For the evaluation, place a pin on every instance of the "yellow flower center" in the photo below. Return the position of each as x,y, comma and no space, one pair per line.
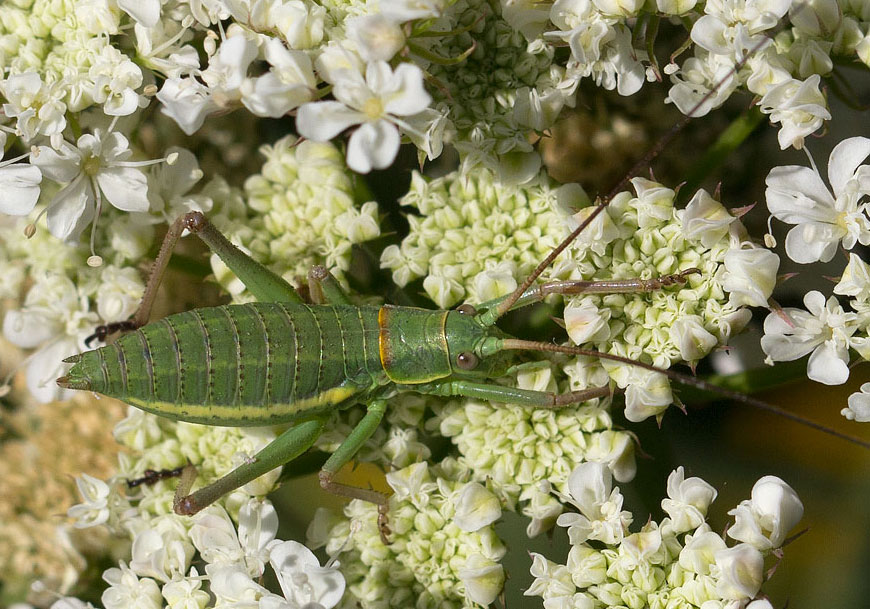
373,108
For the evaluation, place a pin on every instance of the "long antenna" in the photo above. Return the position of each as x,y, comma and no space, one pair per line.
685,379
506,305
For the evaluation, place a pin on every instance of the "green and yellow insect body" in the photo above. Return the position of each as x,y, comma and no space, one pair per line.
282,360
267,363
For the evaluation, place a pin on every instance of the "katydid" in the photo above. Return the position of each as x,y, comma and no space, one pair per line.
282,360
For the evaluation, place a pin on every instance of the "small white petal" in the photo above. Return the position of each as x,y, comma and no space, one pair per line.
829,364
476,507
373,146
19,185
61,165
126,188
71,209
322,121
411,96
145,12
845,159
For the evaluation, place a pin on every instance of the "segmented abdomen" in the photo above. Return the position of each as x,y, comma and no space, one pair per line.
244,364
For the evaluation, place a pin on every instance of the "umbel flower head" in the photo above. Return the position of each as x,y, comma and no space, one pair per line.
645,236
300,212
503,90
676,562
443,553
515,449
477,236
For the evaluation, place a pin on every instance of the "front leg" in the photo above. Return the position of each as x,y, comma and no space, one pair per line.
511,395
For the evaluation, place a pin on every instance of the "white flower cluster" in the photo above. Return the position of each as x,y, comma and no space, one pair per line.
646,237
824,220
476,235
234,538
514,449
300,212
65,300
443,549
744,43
677,562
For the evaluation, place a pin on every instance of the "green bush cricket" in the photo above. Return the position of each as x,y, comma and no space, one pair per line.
282,360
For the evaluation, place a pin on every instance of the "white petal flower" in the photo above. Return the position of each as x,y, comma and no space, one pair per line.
162,551
586,323
855,281
214,535
698,555
601,516
187,102
301,24
186,593
38,107
692,338
647,393
476,507
741,571
859,405
707,80
797,195
95,509
750,275
98,162
126,591
825,331
705,219
289,83
818,18
376,103
688,500
799,106
766,519
303,581
483,579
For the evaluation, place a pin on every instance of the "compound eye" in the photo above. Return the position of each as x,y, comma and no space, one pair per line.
467,360
467,309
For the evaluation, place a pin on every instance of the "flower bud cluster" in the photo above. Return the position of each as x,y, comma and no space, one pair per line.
300,212
646,237
505,88
515,449
57,57
476,235
443,549
676,562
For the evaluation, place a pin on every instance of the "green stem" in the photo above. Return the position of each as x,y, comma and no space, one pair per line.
443,61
